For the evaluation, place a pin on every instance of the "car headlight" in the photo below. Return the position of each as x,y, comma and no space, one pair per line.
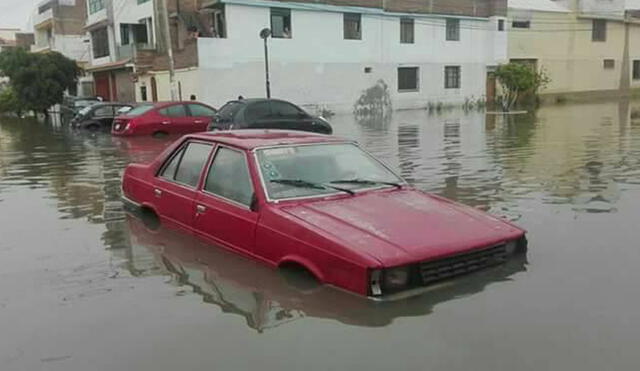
396,278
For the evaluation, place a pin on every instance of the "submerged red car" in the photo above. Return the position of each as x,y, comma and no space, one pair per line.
164,118
319,203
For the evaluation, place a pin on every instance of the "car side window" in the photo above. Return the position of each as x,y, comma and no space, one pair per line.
229,177
177,110
258,111
186,165
282,109
200,110
169,171
103,111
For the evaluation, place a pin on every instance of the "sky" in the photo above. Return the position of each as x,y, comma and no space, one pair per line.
16,13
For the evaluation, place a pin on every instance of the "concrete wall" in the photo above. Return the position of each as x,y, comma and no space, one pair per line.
187,79
572,60
317,66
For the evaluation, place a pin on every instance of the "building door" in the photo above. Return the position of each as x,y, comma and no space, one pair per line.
154,89
101,81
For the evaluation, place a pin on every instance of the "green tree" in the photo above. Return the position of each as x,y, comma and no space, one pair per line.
38,80
517,79
9,102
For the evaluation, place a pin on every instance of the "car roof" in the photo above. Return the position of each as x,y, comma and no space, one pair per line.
171,103
257,100
254,138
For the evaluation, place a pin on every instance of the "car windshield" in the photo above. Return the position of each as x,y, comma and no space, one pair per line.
140,110
84,111
310,170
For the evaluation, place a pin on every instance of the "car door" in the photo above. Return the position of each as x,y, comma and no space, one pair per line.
201,115
289,117
176,120
223,206
103,115
175,186
258,115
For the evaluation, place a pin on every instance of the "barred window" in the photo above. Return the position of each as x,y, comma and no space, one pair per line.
453,29
100,42
452,77
352,26
406,30
408,79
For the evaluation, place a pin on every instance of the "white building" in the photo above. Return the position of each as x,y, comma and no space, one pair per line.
332,56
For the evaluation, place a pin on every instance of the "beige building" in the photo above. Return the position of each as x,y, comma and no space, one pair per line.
585,46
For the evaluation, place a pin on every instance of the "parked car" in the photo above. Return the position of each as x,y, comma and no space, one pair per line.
262,113
99,116
164,118
74,104
320,203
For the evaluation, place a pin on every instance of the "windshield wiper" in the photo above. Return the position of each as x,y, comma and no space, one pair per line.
366,182
306,184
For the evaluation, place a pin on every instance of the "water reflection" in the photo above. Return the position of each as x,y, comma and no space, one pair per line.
266,298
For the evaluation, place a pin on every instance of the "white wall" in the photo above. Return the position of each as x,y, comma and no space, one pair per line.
317,66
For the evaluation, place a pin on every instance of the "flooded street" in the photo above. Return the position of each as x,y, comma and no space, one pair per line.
85,286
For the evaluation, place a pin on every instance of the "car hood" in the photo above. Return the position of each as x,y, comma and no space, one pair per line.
401,226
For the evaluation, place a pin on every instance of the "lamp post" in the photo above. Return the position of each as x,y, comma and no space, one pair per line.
264,34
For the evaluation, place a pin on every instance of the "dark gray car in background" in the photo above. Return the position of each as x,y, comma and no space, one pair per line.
261,113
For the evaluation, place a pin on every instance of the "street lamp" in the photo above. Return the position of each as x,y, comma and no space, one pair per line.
264,34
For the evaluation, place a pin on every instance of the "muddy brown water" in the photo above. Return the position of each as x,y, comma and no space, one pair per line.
84,286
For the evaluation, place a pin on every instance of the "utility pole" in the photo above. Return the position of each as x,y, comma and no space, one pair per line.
163,15
264,34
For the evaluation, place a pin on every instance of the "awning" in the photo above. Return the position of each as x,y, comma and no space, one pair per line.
109,66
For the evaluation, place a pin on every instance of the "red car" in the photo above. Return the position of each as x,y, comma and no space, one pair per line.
319,203
164,118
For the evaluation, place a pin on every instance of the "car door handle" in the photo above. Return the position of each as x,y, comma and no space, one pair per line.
200,209
198,121
165,122
157,192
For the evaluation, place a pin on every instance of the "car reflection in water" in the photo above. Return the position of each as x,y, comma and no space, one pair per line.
267,298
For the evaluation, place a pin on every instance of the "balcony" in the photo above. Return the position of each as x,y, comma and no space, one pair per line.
43,19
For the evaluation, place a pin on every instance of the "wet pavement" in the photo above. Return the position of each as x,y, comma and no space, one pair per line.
84,286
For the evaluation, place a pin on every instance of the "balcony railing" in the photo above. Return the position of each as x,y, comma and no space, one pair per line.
43,17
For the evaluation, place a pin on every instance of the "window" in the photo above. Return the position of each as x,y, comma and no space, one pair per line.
406,31
218,24
336,164
143,93
452,77
229,177
100,42
103,111
599,30
177,110
229,110
521,24
453,29
407,78
258,111
200,110
140,32
95,6
636,70
609,64
281,23
352,26
124,34
185,167
283,109
500,24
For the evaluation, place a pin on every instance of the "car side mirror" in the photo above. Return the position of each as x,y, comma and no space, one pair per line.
254,203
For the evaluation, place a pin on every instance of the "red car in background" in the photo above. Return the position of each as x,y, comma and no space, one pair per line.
318,203
164,118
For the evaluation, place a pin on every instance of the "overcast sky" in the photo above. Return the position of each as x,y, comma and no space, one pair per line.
16,13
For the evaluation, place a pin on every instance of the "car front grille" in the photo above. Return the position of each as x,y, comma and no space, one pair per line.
436,270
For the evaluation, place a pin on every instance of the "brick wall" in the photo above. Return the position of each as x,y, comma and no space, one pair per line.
70,20
25,39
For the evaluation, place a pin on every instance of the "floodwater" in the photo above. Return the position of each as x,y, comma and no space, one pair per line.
84,286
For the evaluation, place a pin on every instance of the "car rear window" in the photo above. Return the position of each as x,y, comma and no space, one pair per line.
229,110
140,110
